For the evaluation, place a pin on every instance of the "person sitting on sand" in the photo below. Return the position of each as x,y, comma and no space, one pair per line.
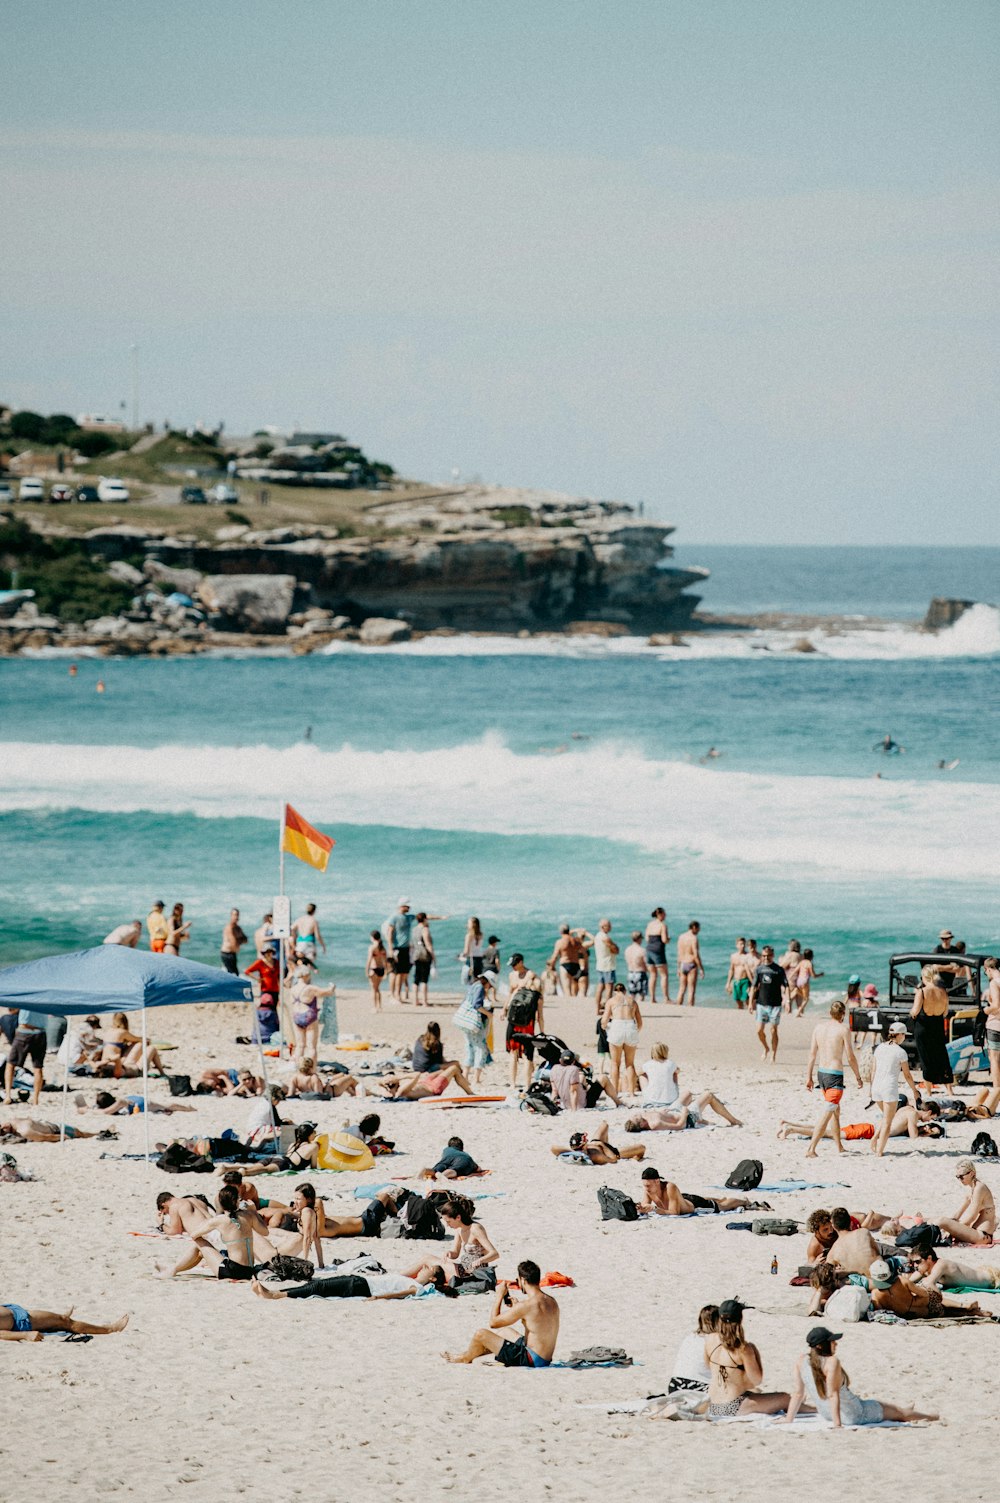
27,1130
976,1218
736,1369
691,1372
180,1214
684,1114
361,1286
597,1148
124,1048
249,1194
822,1235
299,1231
19,1324
454,1163
662,1198
932,1272
855,1249
898,1293
529,1307
415,1085
241,1232
820,1379
471,1248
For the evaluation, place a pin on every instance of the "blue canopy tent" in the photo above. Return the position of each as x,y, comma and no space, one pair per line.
116,978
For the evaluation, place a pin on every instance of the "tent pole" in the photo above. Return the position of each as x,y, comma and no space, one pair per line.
145,1080
65,1093
255,1021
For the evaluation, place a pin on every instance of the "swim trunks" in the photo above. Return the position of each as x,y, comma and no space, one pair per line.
571,967
687,967
701,1203
158,946
372,1218
768,1014
741,989
438,1082
28,1045
607,978
229,962
855,1130
638,983
22,1320
831,1083
401,961
230,1270
519,1354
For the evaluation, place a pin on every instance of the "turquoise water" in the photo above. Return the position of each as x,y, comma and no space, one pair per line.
527,783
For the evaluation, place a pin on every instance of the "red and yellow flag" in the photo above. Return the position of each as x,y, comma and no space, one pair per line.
299,839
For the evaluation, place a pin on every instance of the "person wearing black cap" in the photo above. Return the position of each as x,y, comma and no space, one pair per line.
661,1197
736,1369
820,1379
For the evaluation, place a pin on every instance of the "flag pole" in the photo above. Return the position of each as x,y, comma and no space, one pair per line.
281,942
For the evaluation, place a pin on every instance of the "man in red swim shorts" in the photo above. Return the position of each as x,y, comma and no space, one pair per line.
831,1044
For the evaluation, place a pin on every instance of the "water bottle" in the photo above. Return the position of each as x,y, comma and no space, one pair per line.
774,1264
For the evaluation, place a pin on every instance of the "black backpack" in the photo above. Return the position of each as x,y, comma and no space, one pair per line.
537,1099
983,1146
419,1220
746,1176
180,1085
522,1008
616,1205
176,1159
925,1236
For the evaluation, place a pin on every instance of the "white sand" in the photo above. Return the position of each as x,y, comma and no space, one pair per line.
227,1394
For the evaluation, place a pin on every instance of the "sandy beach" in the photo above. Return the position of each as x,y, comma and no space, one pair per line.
224,1393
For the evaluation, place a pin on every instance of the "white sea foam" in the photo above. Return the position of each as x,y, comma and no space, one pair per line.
820,824
976,634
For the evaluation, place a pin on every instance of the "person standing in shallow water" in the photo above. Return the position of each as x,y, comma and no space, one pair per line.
233,940
657,939
689,966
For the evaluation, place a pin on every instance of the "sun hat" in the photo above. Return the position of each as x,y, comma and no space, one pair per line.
819,1336
870,990
881,1275
490,977
946,934
404,903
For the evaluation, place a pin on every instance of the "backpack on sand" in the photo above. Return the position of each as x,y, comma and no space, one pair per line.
616,1205
983,1146
537,1099
746,1176
180,1085
774,1226
926,1234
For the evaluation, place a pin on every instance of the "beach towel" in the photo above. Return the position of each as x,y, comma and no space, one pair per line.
789,1186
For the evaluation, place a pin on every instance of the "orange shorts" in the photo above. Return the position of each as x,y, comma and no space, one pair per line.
858,1130
157,946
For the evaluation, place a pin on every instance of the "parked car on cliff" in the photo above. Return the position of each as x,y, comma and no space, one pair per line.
192,495
110,489
87,493
60,492
6,493
31,489
223,495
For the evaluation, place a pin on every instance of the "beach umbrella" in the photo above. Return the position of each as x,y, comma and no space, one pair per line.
115,977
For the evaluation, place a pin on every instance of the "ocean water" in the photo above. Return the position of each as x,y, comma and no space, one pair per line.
531,782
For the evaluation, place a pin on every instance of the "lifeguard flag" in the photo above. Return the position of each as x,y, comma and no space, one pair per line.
299,839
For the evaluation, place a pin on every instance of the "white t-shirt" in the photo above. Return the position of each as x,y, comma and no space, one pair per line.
259,1116
603,954
661,1082
690,1360
390,1283
887,1064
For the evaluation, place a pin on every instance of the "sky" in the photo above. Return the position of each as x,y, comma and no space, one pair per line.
735,259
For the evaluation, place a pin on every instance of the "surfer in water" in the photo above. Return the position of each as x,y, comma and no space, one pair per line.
888,747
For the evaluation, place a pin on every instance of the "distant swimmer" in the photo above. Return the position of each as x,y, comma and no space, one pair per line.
944,766
888,747
580,736
710,755
100,686
72,670
308,733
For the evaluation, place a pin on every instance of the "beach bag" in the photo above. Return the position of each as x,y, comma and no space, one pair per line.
746,1176
284,1267
180,1085
176,1159
479,1281
616,1205
983,1146
926,1235
468,1018
522,1008
419,1220
537,1099
847,1306
774,1226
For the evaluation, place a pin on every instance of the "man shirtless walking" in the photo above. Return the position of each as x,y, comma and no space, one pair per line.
831,1042
741,969
566,956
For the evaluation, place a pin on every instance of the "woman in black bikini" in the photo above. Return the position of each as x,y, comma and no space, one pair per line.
736,1369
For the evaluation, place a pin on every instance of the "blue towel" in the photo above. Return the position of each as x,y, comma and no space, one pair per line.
788,1186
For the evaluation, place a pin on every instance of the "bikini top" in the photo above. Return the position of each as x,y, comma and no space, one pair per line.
725,1368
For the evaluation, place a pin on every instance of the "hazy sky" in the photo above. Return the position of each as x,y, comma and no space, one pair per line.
736,258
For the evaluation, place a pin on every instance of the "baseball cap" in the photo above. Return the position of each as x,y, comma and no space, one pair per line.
732,1309
516,959
567,1057
880,1275
819,1336
854,980
870,990
897,1027
651,1174
404,903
